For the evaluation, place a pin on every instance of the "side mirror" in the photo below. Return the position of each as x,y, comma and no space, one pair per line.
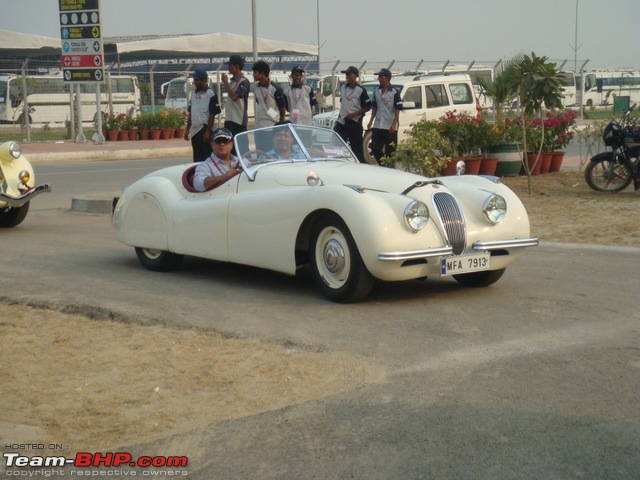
408,105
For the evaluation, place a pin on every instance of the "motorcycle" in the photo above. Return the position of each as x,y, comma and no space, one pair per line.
614,170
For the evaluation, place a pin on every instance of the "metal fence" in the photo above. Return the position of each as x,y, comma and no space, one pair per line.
52,113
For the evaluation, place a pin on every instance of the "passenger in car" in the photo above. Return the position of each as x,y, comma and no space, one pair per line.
220,166
284,146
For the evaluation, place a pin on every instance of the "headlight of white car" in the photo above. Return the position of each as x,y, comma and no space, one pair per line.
416,215
15,150
494,208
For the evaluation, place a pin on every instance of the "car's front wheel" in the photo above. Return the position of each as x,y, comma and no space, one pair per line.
336,265
12,216
480,279
158,260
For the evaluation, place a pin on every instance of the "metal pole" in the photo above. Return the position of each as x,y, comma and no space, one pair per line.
575,51
318,29
80,138
99,138
254,28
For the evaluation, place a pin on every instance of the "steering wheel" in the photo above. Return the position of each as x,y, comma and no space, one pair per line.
256,157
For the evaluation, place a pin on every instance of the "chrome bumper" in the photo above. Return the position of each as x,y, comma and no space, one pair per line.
448,250
22,199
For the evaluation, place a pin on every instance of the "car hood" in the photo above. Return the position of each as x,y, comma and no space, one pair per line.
341,173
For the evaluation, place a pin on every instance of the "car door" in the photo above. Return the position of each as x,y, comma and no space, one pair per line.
201,222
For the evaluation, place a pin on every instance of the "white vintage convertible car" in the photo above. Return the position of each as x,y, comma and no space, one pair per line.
352,223
17,185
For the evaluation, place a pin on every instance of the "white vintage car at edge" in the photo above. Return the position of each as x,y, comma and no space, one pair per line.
17,185
351,223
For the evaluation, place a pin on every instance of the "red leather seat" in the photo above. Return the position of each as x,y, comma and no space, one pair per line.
187,179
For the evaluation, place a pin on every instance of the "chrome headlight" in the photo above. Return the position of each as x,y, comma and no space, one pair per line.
416,215
494,208
15,150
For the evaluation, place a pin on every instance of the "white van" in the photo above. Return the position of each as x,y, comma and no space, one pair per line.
429,96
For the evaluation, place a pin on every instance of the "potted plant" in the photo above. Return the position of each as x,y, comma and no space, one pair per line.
538,83
464,134
423,152
143,121
112,125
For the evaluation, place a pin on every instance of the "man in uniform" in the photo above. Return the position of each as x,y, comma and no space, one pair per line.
203,108
354,103
385,112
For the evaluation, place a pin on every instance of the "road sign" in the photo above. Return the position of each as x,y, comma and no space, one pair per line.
82,57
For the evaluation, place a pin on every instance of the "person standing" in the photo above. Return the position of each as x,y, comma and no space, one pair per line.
354,103
236,117
270,103
220,166
203,108
300,99
385,114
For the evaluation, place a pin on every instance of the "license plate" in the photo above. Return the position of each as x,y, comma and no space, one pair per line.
465,264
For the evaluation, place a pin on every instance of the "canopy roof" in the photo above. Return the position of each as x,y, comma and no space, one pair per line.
21,45
210,45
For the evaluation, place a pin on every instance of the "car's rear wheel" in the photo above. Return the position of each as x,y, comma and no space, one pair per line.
158,260
336,265
12,216
480,279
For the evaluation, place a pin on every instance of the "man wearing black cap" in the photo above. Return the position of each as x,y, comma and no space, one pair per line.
220,166
236,116
300,99
385,112
203,108
354,103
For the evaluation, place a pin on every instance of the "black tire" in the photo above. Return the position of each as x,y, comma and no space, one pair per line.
480,279
158,260
336,265
604,175
12,216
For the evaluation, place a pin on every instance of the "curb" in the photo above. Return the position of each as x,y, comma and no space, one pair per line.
99,203
105,155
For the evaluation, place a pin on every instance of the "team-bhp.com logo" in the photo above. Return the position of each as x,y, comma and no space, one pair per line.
85,459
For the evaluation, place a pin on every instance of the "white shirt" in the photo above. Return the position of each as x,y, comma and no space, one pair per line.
211,167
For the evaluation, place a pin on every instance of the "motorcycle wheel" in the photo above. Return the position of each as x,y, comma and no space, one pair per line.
603,174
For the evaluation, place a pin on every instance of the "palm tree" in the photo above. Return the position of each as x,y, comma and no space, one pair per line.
537,83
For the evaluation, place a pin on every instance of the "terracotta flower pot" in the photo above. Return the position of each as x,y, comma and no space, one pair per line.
472,165
179,133
545,163
556,162
155,133
133,134
144,134
488,165
112,135
533,161
450,168
123,135
167,133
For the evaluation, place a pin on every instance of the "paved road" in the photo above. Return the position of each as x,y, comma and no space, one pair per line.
535,377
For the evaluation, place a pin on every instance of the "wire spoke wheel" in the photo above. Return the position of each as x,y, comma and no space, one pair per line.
607,175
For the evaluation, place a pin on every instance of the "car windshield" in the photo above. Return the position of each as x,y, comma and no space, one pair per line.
289,143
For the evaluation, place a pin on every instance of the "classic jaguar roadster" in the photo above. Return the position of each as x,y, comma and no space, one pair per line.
352,223
17,186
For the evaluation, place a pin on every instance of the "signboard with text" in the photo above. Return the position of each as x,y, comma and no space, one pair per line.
82,57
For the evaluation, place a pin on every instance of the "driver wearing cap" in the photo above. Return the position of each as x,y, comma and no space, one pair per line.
221,164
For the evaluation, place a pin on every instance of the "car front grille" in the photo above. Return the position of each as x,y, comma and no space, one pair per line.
452,220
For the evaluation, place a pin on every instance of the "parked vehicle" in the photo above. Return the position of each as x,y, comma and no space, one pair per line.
428,96
50,98
352,223
613,171
17,185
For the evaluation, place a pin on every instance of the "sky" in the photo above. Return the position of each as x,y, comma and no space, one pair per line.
381,31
